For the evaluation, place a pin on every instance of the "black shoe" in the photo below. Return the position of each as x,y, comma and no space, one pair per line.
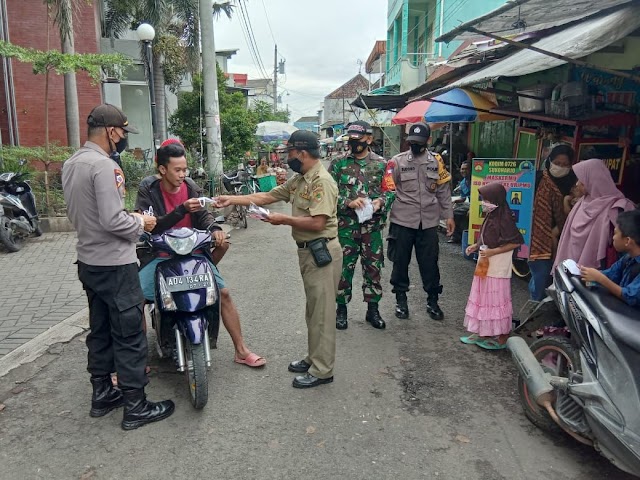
434,310
308,381
374,318
402,308
138,411
341,317
299,366
105,397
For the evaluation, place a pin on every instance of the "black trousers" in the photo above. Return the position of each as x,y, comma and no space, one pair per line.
425,241
116,342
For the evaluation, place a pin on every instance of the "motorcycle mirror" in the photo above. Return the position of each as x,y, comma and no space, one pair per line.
219,219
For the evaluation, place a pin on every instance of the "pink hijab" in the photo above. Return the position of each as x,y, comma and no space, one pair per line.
587,232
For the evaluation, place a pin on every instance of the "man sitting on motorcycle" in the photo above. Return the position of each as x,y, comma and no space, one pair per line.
622,279
173,199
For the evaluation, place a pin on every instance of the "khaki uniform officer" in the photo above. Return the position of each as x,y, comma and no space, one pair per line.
314,195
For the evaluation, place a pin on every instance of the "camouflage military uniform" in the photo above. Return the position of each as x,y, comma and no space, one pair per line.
360,178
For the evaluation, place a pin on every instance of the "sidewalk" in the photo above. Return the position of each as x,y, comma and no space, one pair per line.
40,288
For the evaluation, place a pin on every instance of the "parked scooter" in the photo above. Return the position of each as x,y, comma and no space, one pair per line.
18,214
587,385
186,312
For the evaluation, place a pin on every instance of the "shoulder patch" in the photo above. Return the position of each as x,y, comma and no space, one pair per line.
119,177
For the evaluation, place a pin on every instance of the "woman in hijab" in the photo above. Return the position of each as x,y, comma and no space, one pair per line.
489,311
550,210
587,235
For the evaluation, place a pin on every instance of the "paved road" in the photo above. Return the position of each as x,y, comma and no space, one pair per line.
40,288
410,402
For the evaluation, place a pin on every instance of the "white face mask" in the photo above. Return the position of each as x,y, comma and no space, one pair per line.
558,171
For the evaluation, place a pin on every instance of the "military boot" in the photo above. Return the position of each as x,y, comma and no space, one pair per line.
373,316
341,317
138,411
105,397
433,309
402,307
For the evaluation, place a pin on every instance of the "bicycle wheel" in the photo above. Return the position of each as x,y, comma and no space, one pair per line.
242,216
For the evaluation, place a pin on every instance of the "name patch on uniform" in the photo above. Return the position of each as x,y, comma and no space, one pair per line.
432,169
119,177
407,169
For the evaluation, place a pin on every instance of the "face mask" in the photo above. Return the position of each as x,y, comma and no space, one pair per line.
357,146
488,207
417,149
295,164
558,171
120,146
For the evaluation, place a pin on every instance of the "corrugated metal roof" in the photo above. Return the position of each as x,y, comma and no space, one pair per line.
574,42
519,16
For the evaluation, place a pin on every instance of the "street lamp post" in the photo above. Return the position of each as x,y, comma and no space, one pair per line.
146,34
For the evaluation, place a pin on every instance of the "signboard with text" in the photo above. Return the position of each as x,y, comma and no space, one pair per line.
518,177
611,153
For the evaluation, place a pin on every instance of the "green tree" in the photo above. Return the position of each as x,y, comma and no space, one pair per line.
263,112
176,47
237,124
45,62
62,13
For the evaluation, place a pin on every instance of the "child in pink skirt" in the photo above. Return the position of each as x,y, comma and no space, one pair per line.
489,311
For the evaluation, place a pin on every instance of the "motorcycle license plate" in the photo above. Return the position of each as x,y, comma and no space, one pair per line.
187,282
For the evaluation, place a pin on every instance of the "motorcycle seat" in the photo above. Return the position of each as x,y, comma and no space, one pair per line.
622,320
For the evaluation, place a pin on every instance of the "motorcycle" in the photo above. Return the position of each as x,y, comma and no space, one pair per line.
18,214
586,384
186,311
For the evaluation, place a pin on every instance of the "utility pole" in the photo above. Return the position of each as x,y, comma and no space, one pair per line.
275,80
210,89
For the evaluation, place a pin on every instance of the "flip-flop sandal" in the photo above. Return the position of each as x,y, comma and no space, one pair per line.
252,360
471,339
491,344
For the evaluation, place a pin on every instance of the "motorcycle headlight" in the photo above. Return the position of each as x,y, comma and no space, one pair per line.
182,246
212,295
165,296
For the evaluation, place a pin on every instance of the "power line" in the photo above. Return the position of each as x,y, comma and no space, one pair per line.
245,13
268,22
250,40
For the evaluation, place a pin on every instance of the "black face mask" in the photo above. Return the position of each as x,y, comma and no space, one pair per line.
295,164
119,146
417,149
357,146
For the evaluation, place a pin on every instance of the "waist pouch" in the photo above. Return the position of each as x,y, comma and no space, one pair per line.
319,251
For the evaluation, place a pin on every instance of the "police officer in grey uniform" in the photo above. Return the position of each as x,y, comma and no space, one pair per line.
94,187
423,197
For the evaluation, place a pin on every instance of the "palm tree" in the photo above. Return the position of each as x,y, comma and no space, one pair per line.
63,12
176,45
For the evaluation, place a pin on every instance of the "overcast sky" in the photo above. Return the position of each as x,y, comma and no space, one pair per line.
321,42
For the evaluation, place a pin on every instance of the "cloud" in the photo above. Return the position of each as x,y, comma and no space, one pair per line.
321,43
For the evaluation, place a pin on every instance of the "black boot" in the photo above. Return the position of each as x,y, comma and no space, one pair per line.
138,411
433,309
341,317
402,307
105,397
373,316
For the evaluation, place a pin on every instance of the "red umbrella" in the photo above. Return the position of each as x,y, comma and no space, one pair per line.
412,113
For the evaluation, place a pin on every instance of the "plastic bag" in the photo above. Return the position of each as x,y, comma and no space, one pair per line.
257,212
366,212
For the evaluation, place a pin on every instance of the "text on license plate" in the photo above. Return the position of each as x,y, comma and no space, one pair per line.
188,282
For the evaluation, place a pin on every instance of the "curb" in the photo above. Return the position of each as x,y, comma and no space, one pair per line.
63,332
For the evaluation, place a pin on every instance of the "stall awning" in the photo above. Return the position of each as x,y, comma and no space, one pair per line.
380,102
517,16
575,42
